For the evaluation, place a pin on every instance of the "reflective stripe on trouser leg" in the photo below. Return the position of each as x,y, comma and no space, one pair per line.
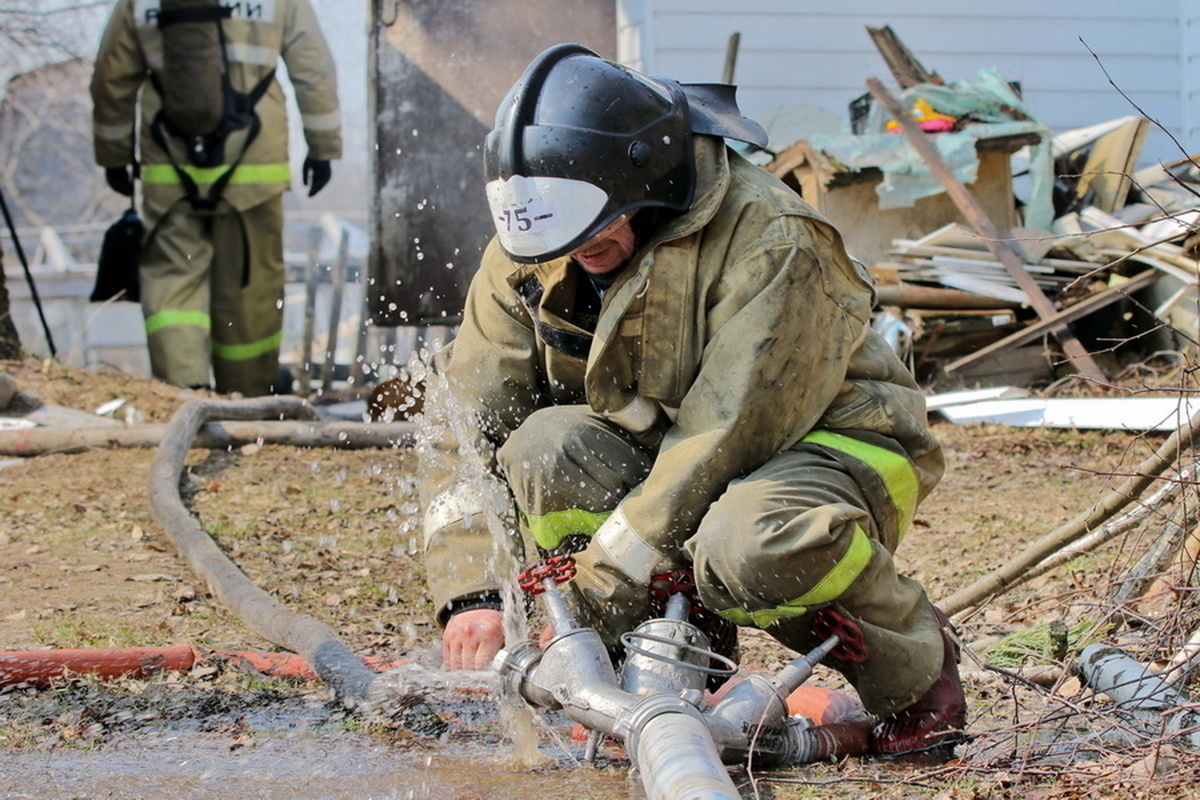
174,278
247,321
795,536
887,475
568,468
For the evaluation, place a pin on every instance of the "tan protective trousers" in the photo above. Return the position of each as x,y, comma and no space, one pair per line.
784,532
200,318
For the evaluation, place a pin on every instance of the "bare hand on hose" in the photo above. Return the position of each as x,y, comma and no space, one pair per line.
472,638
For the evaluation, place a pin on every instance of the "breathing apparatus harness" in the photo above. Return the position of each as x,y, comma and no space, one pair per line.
203,126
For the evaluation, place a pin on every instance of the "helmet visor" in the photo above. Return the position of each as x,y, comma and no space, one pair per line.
540,218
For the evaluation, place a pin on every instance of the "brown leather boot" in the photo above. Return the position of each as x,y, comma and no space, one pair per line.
931,727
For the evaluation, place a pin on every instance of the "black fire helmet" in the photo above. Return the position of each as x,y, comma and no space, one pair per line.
578,141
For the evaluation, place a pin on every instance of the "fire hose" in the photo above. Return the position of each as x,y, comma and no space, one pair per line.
351,681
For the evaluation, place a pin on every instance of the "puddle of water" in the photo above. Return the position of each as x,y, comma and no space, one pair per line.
185,742
298,765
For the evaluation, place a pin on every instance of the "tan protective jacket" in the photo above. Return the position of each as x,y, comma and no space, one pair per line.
742,323
257,35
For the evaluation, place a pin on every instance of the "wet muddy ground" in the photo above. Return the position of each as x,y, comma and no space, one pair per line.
332,534
248,738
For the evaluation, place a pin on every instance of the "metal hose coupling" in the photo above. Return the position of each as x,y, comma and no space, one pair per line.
670,654
513,668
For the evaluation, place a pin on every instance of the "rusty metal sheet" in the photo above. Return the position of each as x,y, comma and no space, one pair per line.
438,69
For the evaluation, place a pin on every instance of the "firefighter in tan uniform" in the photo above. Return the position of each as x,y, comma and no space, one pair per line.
666,365
212,272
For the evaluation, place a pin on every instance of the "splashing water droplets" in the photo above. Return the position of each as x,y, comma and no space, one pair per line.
458,424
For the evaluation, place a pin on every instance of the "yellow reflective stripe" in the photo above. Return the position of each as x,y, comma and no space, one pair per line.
830,588
245,174
176,316
550,529
838,580
245,352
896,471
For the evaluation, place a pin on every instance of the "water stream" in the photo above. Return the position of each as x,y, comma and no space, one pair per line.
519,720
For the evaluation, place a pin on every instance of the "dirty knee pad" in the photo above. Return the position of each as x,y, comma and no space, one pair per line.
568,457
774,535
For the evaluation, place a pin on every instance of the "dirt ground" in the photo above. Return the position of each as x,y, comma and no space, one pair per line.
334,534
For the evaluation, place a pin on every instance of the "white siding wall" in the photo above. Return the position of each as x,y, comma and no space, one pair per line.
1189,72
818,52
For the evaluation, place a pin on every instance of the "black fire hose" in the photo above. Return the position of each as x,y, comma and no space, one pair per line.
37,302
333,662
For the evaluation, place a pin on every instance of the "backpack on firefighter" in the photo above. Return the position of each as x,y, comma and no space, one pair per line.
200,106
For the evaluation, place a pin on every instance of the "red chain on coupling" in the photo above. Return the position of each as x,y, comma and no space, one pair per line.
853,645
559,569
664,586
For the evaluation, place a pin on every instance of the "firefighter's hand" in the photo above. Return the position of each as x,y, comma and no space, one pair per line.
472,638
120,180
316,173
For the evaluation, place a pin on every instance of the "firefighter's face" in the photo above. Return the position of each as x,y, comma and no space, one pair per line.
608,249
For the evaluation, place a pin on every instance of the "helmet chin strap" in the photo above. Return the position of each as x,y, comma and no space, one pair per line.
714,111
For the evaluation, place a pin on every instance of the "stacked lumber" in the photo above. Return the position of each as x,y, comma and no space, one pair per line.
957,258
1091,260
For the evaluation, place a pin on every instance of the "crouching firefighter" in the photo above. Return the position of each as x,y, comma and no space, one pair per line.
666,368
212,152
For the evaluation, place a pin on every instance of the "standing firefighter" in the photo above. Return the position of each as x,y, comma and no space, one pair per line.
666,367
213,149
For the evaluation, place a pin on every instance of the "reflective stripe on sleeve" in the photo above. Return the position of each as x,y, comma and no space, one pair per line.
251,350
177,316
629,552
322,122
549,530
827,590
462,501
252,54
459,502
895,470
245,174
115,133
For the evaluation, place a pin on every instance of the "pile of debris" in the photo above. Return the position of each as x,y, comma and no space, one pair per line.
1093,270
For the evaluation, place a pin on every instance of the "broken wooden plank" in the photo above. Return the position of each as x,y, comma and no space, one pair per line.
905,67
1109,166
1110,232
1084,413
935,402
1005,250
985,288
908,295
1070,314
1167,267
911,247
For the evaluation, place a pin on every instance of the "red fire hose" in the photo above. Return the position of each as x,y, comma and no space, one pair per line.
40,668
